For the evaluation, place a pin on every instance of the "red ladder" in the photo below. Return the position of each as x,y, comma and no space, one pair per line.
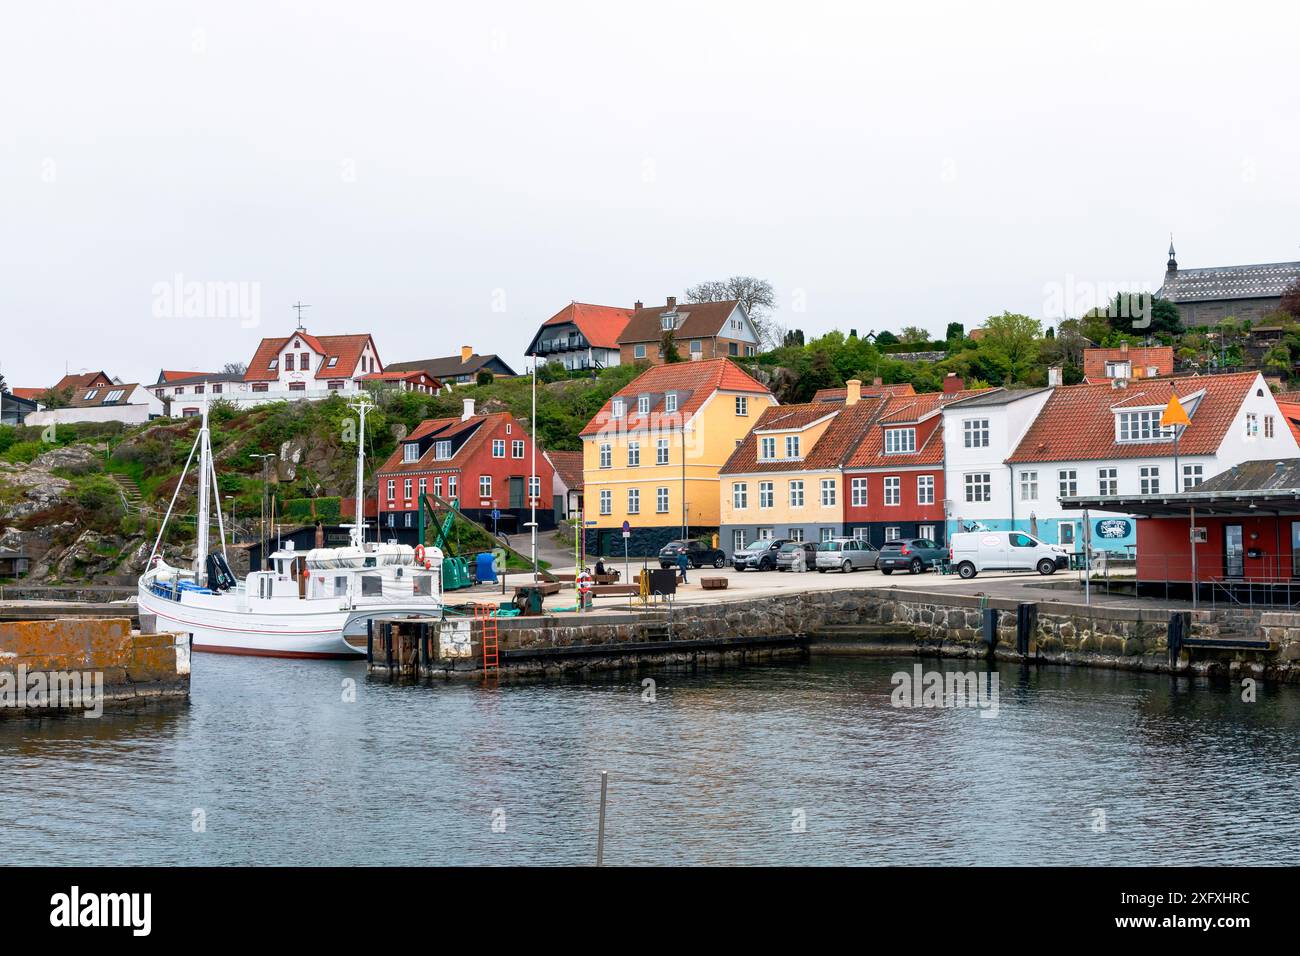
488,634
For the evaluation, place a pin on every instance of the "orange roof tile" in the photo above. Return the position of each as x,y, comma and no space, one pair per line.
697,380
600,325
835,444
906,410
1161,357
868,391
568,465
346,348
1077,423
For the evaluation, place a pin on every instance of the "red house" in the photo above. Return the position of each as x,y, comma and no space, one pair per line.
482,461
894,479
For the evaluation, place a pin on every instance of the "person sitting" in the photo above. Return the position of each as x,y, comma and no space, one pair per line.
600,568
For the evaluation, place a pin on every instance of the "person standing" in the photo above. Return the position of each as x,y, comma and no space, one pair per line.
683,562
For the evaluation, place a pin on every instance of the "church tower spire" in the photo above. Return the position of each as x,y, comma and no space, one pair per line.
1172,264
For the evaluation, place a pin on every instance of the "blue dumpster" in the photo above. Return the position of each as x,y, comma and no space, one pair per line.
486,569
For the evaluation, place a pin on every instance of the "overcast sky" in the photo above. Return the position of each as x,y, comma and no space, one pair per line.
442,174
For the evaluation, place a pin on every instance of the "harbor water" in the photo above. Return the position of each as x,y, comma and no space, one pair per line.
312,763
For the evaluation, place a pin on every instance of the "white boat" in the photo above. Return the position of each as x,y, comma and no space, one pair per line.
306,603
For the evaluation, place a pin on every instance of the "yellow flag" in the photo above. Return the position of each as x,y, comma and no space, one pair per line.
1174,413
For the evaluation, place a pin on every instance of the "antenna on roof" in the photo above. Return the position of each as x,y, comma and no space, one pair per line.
299,306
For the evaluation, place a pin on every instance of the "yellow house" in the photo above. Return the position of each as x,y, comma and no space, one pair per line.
786,479
652,454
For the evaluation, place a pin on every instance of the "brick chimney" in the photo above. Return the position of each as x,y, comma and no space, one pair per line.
466,353
877,381
1123,349
639,305
953,382
672,302
853,392
469,410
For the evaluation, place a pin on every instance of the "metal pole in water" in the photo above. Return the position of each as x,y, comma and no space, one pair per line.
600,836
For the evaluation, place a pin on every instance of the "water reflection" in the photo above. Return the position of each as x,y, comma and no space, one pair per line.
717,770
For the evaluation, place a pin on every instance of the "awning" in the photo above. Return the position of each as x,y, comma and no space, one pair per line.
1271,501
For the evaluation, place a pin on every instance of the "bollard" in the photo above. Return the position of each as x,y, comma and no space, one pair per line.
370,641
990,636
1179,625
600,836
1026,626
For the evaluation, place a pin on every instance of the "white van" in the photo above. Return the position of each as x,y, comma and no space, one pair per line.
974,551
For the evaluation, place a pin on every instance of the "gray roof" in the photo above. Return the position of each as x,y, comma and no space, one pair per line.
1002,396
451,366
1260,281
202,379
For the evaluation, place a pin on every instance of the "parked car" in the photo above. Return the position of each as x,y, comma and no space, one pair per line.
785,557
758,555
913,555
697,553
974,551
846,554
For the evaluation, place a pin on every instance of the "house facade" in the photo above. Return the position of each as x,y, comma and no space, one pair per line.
701,331
786,479
1106,440
184,396
484,462
1207,296
894,479
566,489
653,454
581,336
306,366
979,433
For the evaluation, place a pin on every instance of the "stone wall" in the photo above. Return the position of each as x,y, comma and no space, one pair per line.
134,666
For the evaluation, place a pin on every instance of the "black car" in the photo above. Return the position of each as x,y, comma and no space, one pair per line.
697,553
759,555
913,555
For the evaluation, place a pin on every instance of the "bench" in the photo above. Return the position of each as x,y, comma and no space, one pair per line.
713,584
613,590
546,587
611,577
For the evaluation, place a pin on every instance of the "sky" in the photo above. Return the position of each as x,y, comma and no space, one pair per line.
444,174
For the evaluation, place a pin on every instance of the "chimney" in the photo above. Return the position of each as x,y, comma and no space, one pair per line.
672,303
469,410
853,392
952,382
466,353
1054,376
639,305
1123,349
877,381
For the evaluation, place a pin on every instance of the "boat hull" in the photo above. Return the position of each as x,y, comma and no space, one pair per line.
217,626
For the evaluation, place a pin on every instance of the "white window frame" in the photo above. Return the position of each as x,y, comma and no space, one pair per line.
1190,472
411,451
485,486
1149,479
925,489
796,495
766,494
634,454
893,491
767,448
740,495
858,493
978,487
829,494
661,451
606,502
661,500
792,446
1107,478
606,455
742,406
975,432
498,448
900,441
1067,482
634,501
670,402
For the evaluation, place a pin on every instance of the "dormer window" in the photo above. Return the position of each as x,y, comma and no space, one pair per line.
618,409
643,405
670,402
1141,426
900,441
766,448
411,451
792,446
668,322
1119,370
442,450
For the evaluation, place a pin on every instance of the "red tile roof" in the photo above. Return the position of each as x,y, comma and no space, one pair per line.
835,444
1291,412
31,394
1077,422
1140,359
444,428
906,410
346,348
600,325
82,380
167,375
1291,398
868,391
697,380
568,465
700,320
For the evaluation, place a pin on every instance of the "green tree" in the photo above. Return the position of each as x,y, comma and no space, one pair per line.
1011,342
755,296
668,348
913,335
955,331
886,338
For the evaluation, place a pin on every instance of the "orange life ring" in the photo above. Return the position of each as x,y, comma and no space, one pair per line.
419,554
584,582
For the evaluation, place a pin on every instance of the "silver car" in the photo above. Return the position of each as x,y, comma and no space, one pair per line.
846,554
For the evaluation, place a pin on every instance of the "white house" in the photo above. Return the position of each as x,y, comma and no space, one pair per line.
133,404
978,434
1106,439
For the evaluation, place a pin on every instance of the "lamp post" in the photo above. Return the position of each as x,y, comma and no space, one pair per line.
261,525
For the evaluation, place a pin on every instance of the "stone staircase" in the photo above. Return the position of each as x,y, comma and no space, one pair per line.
1231,628
130,491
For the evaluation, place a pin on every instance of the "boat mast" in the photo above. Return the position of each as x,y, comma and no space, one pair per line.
205,472
358,536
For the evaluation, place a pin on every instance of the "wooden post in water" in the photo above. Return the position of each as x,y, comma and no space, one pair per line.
600,835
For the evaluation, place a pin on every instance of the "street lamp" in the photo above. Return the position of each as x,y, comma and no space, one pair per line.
261,527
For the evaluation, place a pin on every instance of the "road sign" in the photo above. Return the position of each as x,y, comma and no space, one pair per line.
496,514
627,530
